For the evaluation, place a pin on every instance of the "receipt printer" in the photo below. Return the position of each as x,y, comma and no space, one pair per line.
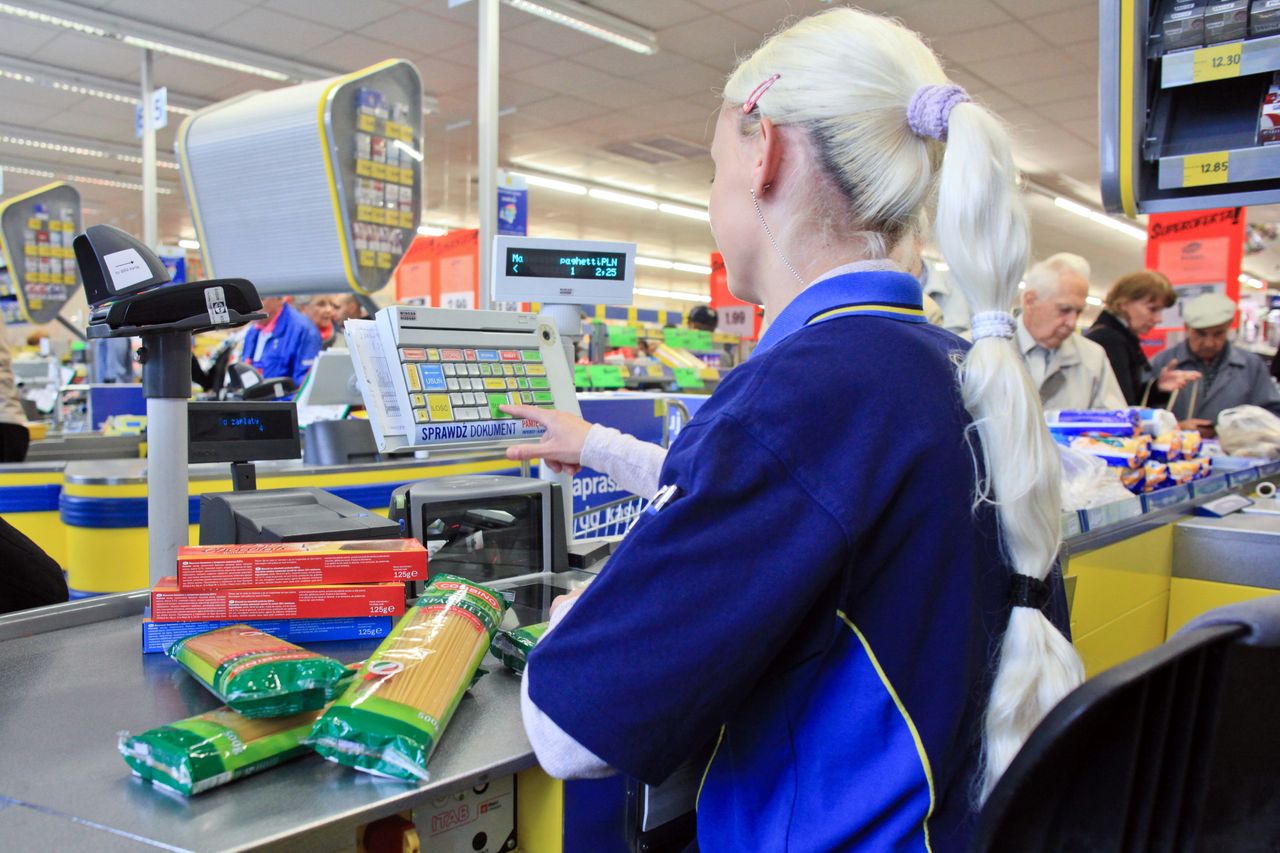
485,528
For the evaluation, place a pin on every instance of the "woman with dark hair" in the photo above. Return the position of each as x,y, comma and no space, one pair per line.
1133,307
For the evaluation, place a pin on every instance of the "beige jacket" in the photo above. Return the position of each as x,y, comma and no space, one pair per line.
10,406
1078,376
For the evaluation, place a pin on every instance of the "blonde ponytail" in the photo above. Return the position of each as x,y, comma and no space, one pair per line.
848,78
982,232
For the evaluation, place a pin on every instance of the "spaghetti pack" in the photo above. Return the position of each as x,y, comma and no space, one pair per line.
212,749
257,674
513,647
391,717
211,567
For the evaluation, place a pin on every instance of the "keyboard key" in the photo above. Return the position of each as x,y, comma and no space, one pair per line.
420,415
439,406
519,369
458,399
510,355
536,369
526,397
473,370
522,384
494,384
432,377
470,354
487,354
453,384
476,384
418,401
412,354
433,355
469,399
508,370
496,400
449,369
543,397
411,377
539,382
531,354
511,384
451,355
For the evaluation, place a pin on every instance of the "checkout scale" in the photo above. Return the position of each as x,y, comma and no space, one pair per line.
508,532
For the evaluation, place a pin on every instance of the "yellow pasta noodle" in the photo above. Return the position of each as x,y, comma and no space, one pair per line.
390,719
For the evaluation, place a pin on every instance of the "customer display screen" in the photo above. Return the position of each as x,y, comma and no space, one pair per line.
241,426
242,432
556,263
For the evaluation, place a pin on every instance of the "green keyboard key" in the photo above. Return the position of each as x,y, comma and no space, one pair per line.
543,397
530,355
496,400
539,382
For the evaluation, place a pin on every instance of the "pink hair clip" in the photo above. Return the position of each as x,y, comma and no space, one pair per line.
759,91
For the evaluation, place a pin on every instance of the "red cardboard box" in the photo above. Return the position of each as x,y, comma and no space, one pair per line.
170,604
202,567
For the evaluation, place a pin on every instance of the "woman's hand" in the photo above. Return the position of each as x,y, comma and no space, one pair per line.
1171,379
561,445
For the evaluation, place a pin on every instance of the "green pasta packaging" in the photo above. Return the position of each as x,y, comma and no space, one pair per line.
391,717
212,749
257,674
513,647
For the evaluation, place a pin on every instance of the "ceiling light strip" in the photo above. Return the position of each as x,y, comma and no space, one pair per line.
593,22
680,295
1100,218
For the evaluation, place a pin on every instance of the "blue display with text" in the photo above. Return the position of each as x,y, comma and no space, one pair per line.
554,263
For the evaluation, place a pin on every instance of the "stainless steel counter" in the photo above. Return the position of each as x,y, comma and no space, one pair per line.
1239,549
67,689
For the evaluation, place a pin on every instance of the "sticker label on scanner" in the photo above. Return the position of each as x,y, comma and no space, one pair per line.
126,268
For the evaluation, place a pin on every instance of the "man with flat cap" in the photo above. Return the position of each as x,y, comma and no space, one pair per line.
1230,376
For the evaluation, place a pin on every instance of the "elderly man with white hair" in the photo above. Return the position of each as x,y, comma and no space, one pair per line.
1070,371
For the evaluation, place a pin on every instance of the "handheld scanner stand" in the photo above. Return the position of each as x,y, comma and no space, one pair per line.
130,293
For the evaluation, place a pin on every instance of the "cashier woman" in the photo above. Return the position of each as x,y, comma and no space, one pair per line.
835,585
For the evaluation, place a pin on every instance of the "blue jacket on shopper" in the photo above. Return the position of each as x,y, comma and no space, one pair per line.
291,349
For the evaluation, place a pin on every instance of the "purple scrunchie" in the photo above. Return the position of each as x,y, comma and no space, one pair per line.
930,109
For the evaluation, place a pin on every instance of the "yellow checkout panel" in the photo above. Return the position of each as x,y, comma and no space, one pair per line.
101,512
1140,573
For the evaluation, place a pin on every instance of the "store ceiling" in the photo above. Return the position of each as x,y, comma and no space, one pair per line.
578,103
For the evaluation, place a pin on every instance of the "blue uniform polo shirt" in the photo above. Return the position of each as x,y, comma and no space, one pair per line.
820,598
291,349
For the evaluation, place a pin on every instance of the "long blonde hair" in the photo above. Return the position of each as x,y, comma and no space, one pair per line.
847,77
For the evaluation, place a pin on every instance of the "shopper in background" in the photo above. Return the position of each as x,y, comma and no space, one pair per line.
847,677
1133,307
323,310
285,344
28,576
14,438
1230,376
1069,371
349,308
703,318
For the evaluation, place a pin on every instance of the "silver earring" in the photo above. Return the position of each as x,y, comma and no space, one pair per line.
769,233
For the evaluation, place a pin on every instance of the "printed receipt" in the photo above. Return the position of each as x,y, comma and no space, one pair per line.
377,383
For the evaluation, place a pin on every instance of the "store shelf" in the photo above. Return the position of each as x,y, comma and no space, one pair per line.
1220,62
1234,166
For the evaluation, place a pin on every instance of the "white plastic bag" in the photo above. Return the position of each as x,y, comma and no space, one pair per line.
1088,481
1249,431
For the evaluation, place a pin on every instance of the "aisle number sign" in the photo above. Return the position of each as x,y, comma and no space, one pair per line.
1220,62
1202,170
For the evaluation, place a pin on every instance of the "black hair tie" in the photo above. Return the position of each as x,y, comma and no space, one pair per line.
1026,591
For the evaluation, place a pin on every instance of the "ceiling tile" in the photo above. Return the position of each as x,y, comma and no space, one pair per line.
97,56
182,76
1052,90
1076,108
988,43
651,14
625,63
549,37
418,32
19,38
940,17
189,16
685,78
340,14
1030,8
1025,68
350,51
715,40
275,33
769,16
1066,27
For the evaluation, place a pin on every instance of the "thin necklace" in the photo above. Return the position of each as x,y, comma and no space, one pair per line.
769,233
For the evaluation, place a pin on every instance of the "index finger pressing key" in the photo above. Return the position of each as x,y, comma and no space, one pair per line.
533,413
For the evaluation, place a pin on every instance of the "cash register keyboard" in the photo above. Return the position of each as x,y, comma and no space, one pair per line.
452,384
